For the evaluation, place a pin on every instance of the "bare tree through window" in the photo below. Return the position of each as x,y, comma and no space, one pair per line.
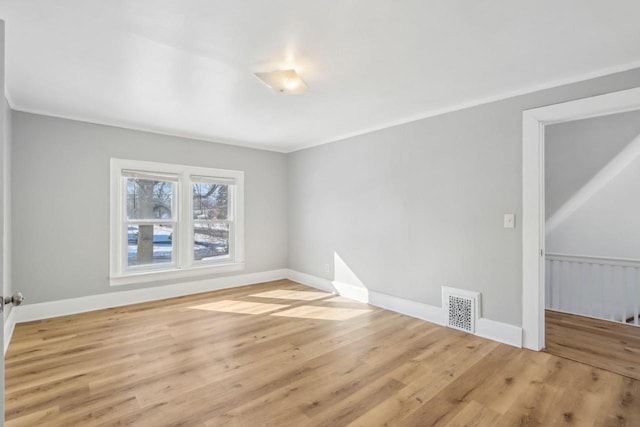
149,200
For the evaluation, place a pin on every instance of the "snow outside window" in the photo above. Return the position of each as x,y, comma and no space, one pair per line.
171,221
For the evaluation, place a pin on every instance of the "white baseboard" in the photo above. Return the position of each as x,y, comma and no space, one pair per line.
408,307
358,293
486,328
9,326
498,331
309,280
419,310
65,307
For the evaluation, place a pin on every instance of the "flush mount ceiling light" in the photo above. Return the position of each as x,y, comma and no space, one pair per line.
287,82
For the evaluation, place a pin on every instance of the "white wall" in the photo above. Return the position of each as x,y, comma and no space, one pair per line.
414,207
60,198
575,151
4,144
5,181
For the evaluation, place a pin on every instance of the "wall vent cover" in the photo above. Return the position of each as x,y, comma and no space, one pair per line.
461,308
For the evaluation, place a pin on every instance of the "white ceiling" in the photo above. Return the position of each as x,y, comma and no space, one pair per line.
185,67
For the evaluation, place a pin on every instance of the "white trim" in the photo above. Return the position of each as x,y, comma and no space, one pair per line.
45,310
499,331
590,259
183,264
408,307
10,319
309,280
357,293
533,224
532,238
153,276
9,326
486,328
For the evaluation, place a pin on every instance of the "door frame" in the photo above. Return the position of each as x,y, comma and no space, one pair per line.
533,210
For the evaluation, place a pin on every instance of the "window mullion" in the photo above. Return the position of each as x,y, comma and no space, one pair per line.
186,209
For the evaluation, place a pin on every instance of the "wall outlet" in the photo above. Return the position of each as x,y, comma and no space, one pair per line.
327,269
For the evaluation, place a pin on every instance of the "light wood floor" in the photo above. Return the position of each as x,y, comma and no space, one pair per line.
281,354
601,343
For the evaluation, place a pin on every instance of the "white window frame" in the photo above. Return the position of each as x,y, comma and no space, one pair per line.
184,264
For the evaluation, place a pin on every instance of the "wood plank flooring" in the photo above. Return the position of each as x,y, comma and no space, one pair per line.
281,354
608,345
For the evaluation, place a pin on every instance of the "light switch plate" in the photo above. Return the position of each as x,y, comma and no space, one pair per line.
509,220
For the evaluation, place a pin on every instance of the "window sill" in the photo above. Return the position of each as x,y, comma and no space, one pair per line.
156,275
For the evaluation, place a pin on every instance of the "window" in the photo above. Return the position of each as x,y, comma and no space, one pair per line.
171,221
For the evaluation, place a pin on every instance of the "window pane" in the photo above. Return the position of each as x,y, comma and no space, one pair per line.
210,241
210,201
149,199
149,244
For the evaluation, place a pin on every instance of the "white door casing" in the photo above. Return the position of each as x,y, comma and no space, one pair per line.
533,218
2,206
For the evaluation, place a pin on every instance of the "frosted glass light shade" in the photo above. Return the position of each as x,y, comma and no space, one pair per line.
287,82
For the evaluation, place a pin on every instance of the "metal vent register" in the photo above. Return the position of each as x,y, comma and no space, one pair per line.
461,308
461,313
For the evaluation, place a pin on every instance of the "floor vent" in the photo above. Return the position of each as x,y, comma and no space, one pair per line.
462,308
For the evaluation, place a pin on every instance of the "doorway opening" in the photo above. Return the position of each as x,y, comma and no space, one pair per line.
533,239
592,259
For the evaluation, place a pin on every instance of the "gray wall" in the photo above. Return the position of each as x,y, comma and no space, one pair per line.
61,200
417,206
575,151
408,209
607,224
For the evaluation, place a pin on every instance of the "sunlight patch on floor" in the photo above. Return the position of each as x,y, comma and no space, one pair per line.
293,295
322,313
242,307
